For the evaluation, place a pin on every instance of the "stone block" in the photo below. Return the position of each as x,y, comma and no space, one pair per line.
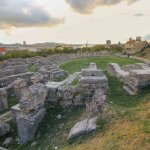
37,78
87,72
5,73
93,80
113,68
19,69
83,127
3,99
4,129
19,86
27,125
33,98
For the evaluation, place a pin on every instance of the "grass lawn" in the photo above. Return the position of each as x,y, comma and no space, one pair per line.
101,62
128,129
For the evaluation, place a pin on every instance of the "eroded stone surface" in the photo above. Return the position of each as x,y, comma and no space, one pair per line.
37,78
19,85
83,127
4,129
33,98
3,99
27,125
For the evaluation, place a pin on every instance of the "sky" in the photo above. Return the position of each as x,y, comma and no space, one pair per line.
73,21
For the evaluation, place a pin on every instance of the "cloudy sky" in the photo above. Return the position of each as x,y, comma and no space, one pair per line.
73,21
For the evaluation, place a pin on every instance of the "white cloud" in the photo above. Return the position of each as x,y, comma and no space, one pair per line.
25,13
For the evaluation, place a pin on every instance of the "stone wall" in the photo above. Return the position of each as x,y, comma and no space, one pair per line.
93,85
30,112
134,77
12,69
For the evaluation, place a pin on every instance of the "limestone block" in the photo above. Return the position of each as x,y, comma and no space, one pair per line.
87,72
59,74
115,70
15,110
37,78
52,91
3,99
138,66
98,102
93,66
4,64
4,129
66,93
27,125
83,127
33,98
19,69
121,75
45,73
5,73
9,79
93,80
19,85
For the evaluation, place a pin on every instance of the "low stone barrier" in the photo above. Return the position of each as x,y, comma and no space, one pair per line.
9,79
134,77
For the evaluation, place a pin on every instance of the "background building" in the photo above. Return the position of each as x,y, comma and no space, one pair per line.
135,46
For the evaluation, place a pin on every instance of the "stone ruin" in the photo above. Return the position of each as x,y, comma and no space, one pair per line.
32,89
30,111
135,76
14,68
93,85
91,92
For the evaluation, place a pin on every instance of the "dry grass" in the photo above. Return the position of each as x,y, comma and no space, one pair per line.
132,132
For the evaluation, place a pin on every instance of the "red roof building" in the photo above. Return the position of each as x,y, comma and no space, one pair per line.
2,50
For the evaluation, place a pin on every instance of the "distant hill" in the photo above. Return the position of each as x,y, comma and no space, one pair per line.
46,45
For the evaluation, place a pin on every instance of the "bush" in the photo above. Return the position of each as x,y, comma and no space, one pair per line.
99,48
58,50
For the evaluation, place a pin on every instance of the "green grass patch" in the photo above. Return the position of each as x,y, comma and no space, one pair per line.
75,81
101,62
119,97
32,68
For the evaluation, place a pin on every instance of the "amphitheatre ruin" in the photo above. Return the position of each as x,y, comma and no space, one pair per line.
63,98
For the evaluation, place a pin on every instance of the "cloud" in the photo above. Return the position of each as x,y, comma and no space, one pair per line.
147,37
25,13
138,15
87,6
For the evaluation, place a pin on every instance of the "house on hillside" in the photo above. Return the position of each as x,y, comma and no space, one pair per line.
2,51
135,46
